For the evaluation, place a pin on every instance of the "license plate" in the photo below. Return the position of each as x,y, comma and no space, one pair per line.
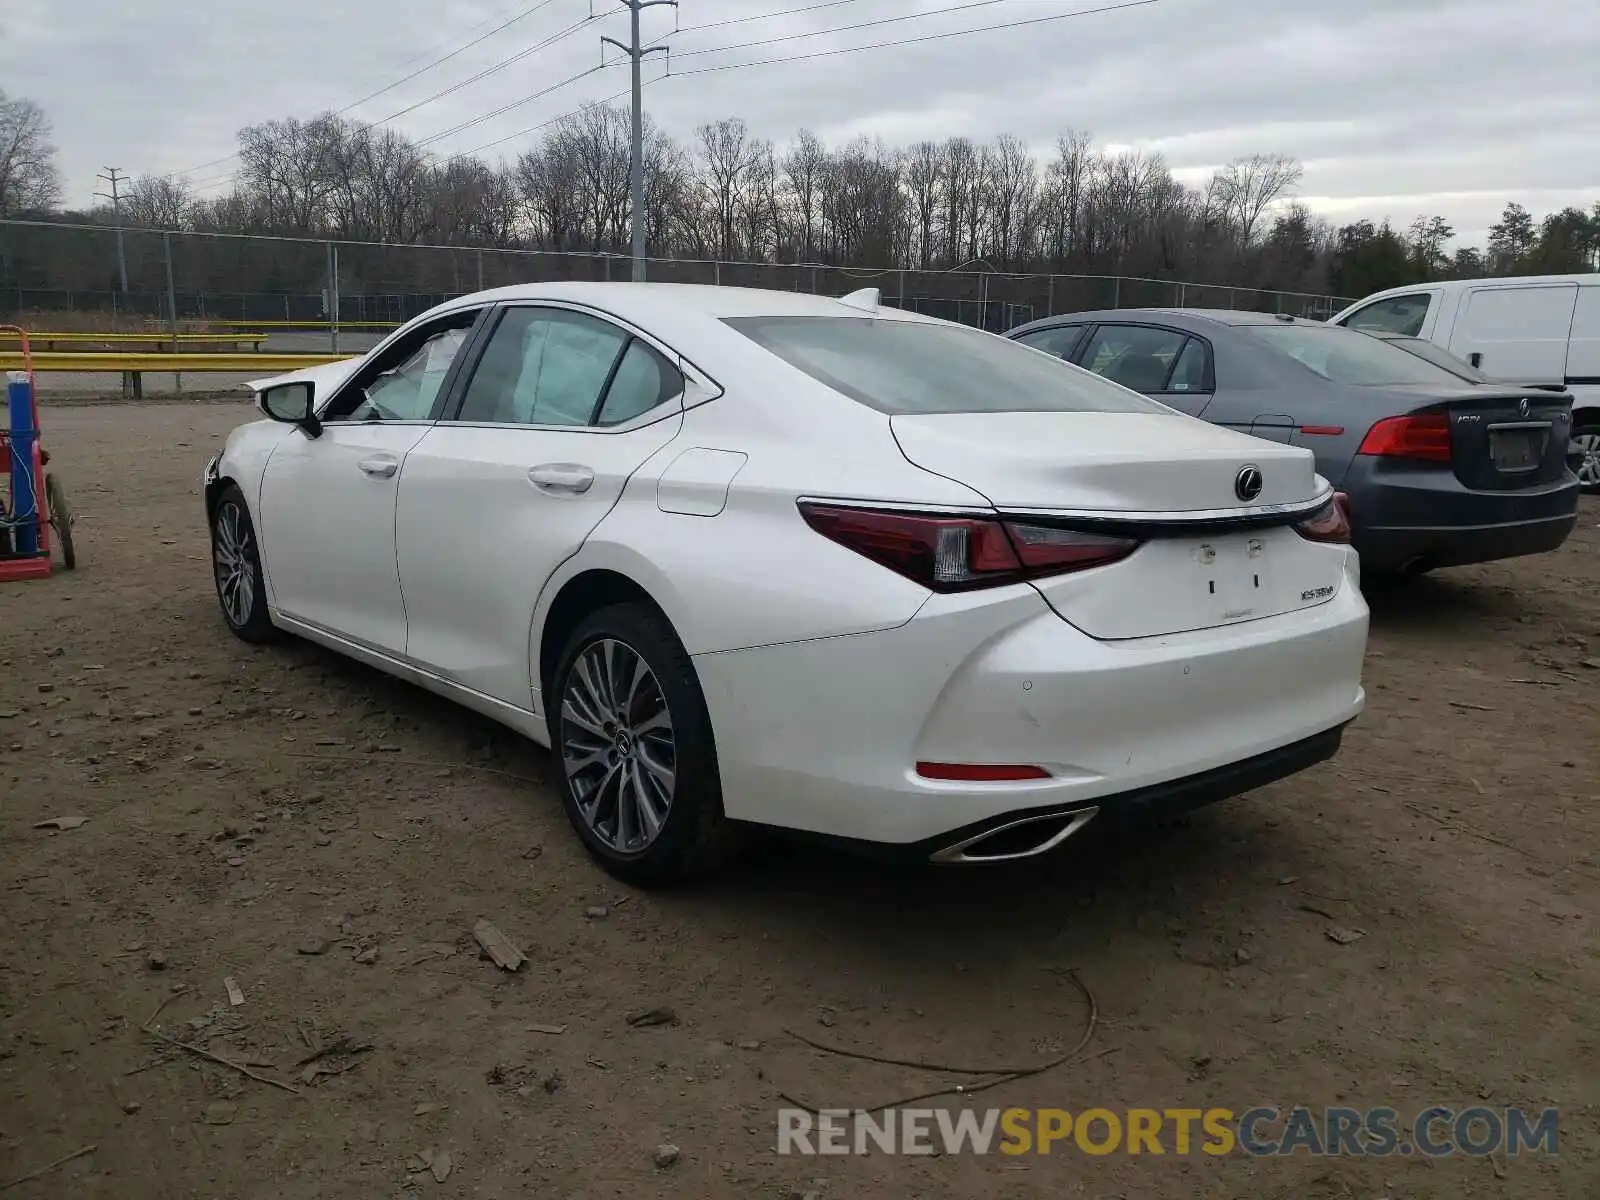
1230,574
1516,449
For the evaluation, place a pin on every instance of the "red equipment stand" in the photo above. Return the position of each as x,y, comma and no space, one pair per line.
34,564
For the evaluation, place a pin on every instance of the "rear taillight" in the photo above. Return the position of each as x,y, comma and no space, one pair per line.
1423,435
1330,523
955,554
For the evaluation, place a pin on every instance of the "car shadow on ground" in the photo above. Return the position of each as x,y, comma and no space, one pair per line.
1446,602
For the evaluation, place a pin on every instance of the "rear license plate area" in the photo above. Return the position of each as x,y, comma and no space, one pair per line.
1230,577
1515,450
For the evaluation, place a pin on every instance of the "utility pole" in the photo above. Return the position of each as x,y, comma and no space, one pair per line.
636,53
115,177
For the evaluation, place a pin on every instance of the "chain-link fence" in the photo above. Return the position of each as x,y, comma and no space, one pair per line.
98,277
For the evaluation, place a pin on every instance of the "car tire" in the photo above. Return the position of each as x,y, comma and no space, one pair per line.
1587,433
639,776
236,569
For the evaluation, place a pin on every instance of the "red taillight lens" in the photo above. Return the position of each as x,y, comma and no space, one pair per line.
1331,523
953,554
1424,435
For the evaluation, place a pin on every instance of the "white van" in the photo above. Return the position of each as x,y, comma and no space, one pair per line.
1539,329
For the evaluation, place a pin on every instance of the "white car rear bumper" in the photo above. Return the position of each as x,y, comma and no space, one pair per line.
824,735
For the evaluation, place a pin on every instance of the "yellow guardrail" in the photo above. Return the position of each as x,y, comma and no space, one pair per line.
304,325
48,340
93,363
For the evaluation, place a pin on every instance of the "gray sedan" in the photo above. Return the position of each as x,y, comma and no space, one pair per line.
1439,470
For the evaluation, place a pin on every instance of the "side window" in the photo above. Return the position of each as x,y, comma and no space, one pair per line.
1059,340
1136,356
542,366
403,383
1398,314
1190,373
643,380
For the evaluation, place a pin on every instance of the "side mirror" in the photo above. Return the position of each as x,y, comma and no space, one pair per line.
291,403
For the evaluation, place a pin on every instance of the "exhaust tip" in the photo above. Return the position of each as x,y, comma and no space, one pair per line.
1024,838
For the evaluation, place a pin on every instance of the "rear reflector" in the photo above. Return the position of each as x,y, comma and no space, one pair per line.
1322,430
1330,523
980,772
954,554
1424,436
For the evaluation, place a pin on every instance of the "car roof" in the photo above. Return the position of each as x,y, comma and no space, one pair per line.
704,299
1192,319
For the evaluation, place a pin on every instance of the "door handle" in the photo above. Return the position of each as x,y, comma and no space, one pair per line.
380,468
561,479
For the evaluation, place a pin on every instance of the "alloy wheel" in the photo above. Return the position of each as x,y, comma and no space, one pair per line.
233,554
1589,471
617,746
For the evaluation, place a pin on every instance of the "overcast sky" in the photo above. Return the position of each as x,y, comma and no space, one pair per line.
1396,107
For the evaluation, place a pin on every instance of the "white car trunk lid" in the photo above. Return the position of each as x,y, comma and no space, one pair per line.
1169,481
1113,462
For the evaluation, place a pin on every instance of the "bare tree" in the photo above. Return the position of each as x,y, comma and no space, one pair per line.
1066,193
29,179
804,167
758,203
924,179
1012,195
1247,187
158,201
727,154
287,164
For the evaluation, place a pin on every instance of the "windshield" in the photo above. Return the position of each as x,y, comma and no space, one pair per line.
1345,356
920,367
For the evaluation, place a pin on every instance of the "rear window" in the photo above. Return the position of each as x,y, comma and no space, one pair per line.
916,367
1439,357
1345,356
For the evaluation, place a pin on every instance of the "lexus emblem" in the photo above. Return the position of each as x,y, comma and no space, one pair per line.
1523,407
1247,483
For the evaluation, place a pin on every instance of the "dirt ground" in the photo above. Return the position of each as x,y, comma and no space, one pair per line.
246,806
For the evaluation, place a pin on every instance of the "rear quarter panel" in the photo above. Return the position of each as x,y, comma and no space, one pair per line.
752,572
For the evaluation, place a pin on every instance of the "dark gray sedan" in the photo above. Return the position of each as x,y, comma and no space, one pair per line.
1439,470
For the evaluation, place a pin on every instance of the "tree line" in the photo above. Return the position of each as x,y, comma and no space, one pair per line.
728,194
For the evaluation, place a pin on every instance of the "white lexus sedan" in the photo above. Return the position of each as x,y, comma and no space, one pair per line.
747,558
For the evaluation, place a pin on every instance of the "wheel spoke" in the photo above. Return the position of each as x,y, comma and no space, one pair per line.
635,674
662,775
586,692
594,810
628,830
1589,469
590,724
583,761
650,817
657,723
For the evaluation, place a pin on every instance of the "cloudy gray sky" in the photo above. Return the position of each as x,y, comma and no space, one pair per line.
1396,108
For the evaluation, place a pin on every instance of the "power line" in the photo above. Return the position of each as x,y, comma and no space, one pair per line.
786,12
471,79
505,108
546,124
794,37
483,74
928,37
523,15
492,70
437,46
